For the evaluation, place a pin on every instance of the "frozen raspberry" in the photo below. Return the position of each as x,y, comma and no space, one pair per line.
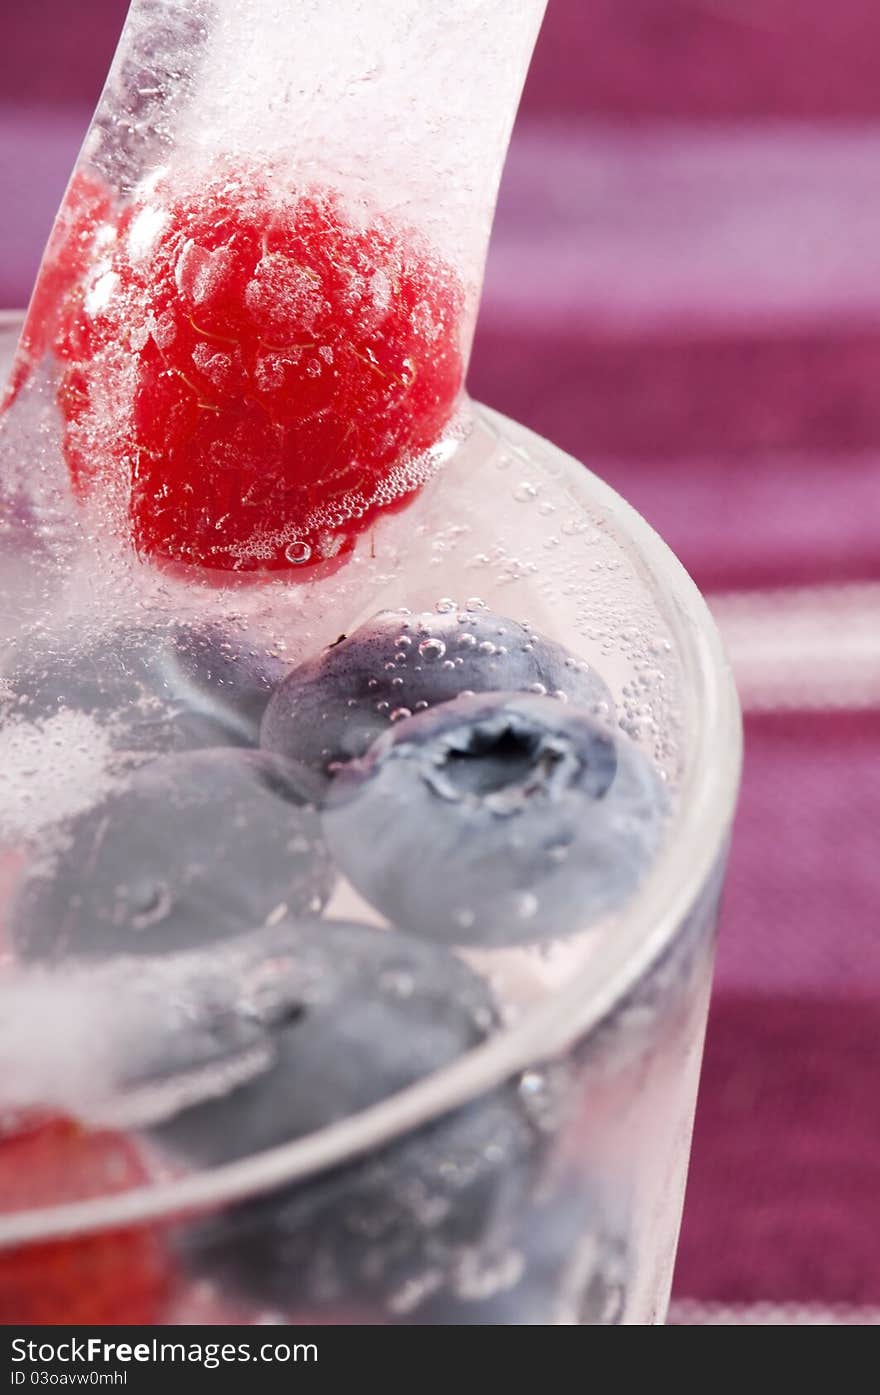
84,213
252,375
120,1276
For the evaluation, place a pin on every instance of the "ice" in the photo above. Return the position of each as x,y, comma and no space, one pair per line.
368,91
132,1040
149,85
390,103
51,771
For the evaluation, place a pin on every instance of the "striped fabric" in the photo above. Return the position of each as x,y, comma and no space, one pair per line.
686,1313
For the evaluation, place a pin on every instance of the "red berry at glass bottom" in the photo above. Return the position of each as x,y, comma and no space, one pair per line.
116,1276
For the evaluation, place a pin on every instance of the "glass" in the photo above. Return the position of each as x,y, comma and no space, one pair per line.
560,1141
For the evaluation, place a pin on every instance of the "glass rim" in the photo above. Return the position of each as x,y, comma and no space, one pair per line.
633,941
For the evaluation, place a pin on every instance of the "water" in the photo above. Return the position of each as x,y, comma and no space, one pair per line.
128,1043
468,545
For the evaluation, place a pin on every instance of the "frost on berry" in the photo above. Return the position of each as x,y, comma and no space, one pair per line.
83,219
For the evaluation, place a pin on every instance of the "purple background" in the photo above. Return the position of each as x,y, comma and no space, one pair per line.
684,291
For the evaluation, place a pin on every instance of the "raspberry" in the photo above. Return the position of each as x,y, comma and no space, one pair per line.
120,1276
85,210
252,376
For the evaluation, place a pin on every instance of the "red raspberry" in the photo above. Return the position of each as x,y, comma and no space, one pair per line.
252,376
120,1276
86,208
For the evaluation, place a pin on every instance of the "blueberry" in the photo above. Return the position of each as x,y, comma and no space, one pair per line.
496,819
368,1012
330,709
189,849
566,1265
155,688
223,676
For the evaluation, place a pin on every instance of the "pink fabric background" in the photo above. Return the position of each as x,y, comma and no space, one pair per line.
684,291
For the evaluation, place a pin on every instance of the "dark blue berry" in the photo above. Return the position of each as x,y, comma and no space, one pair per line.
565,1266
188,849
154,688
368,1012
330,709
496,819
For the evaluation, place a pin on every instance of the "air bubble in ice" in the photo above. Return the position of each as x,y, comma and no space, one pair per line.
525,492
298,552
531,1083
155,903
